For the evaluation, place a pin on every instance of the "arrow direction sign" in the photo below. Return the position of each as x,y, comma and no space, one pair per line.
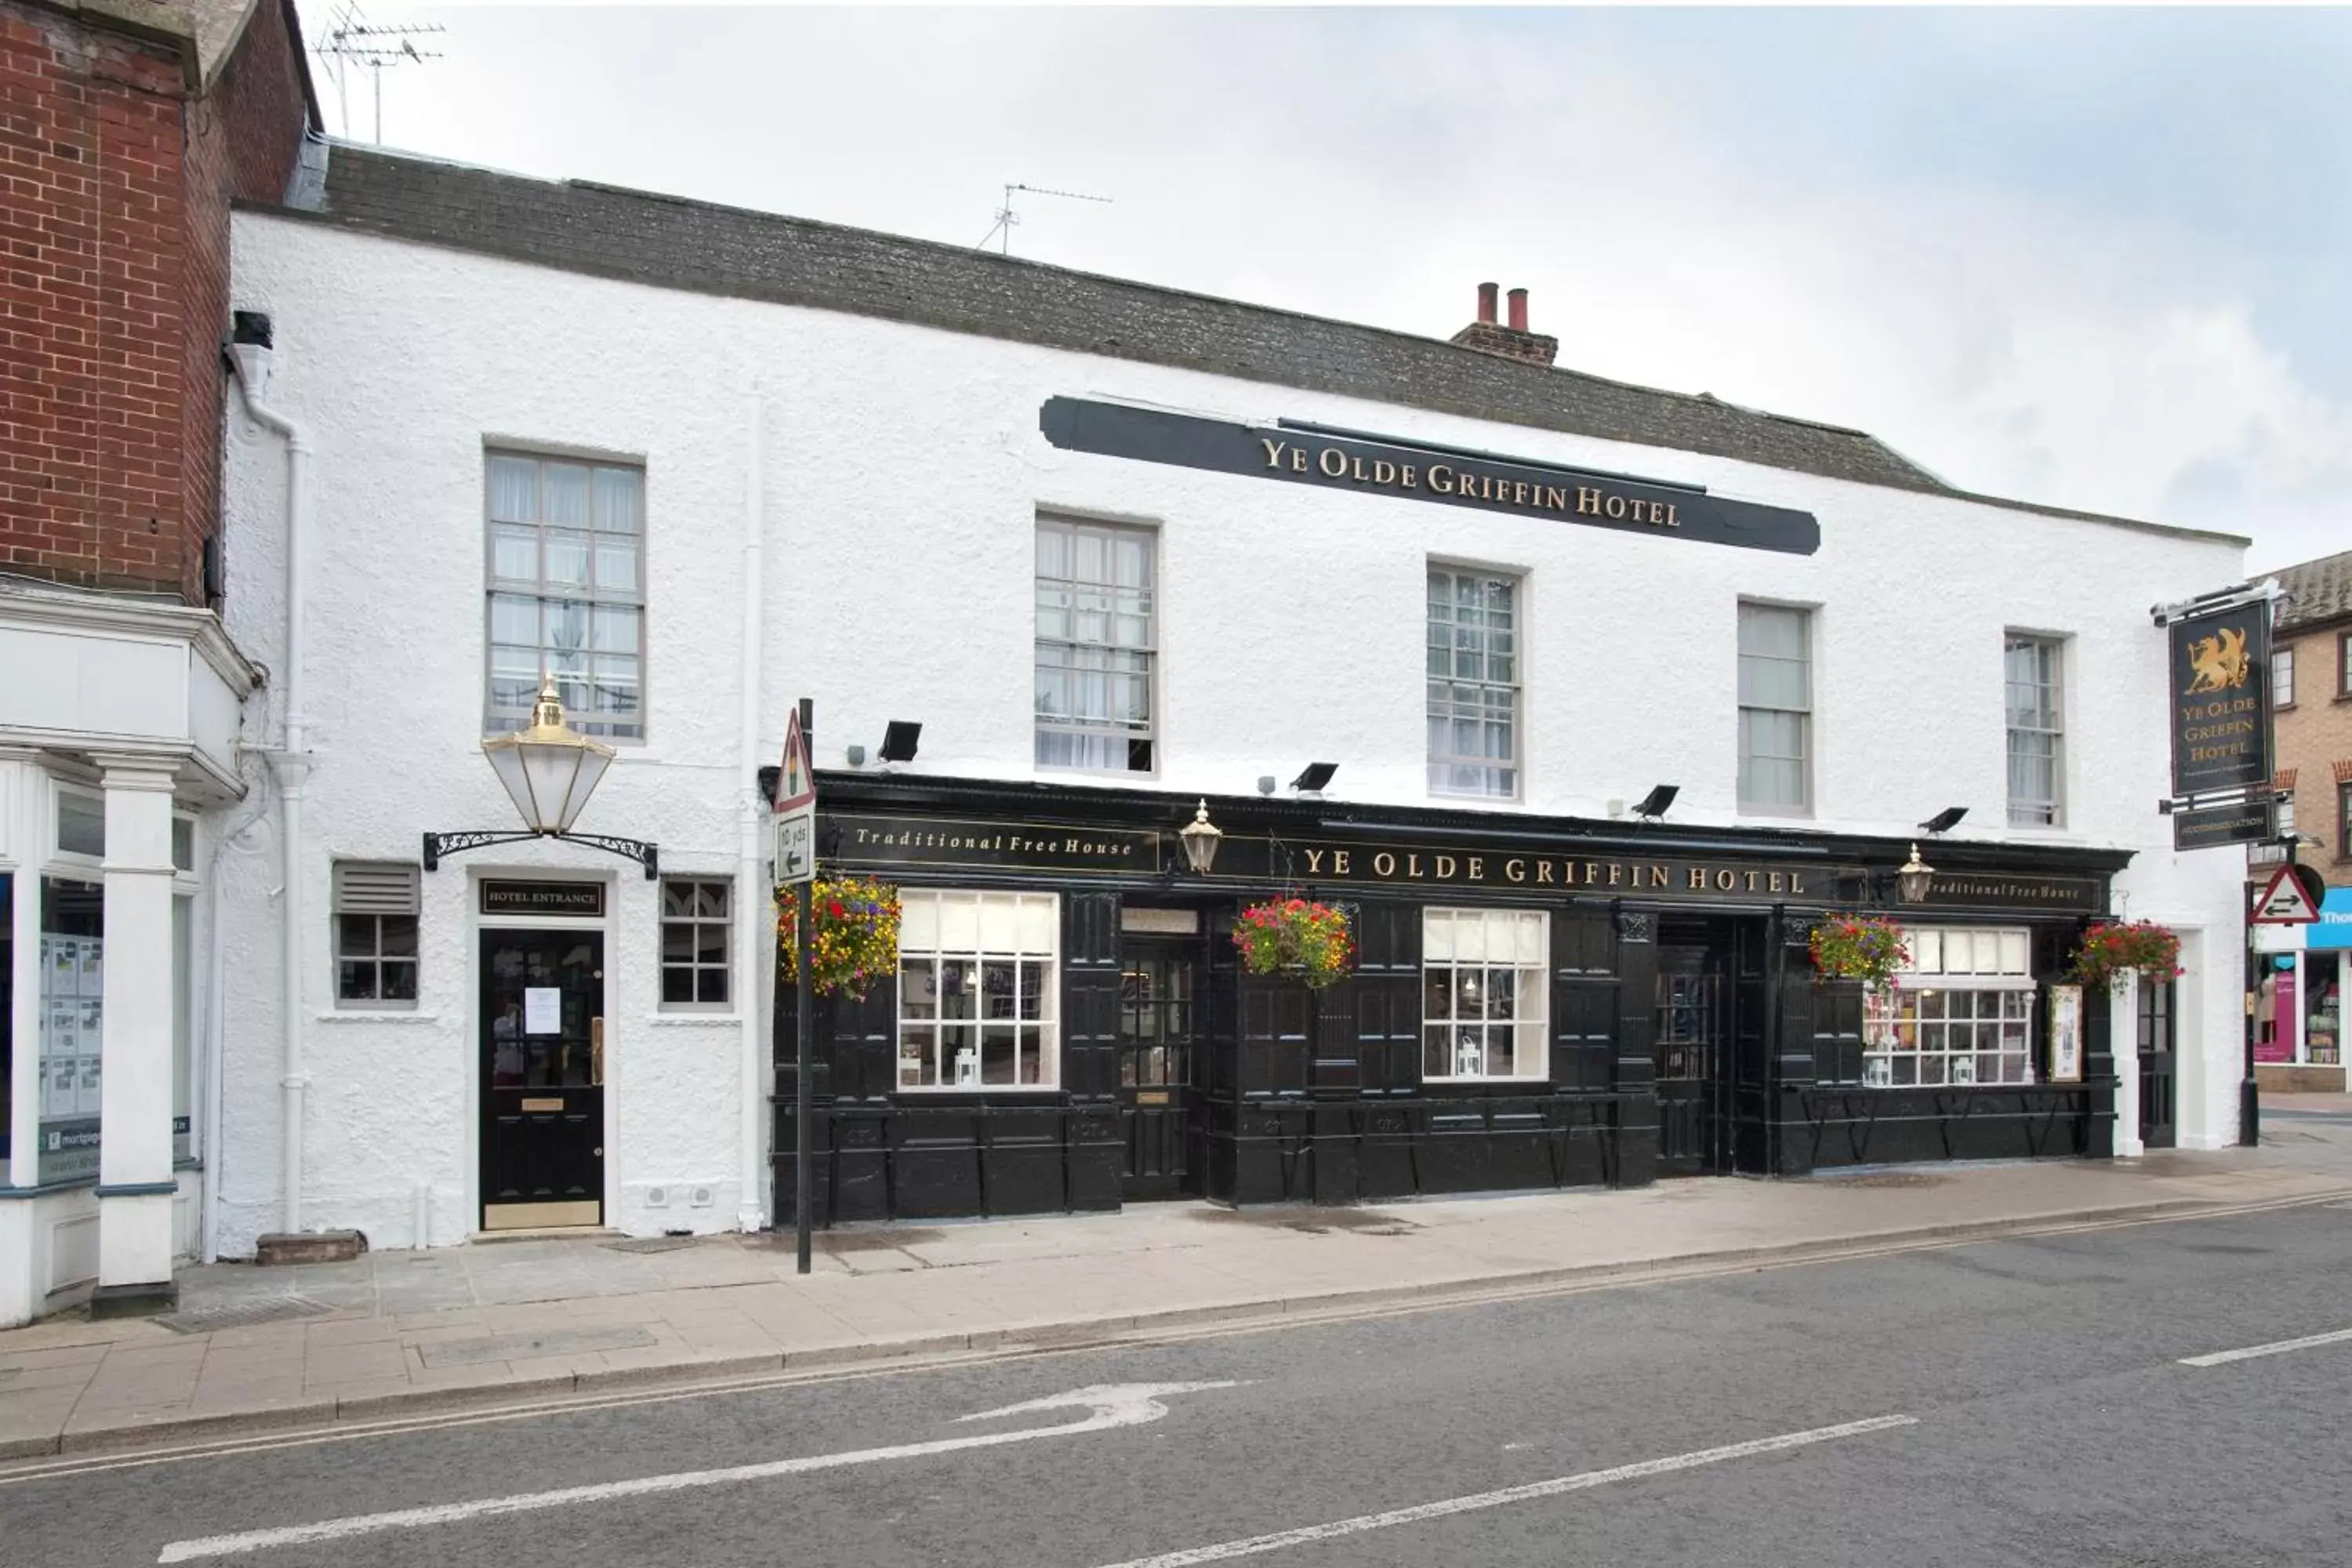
1107,1406
2286,901
794,822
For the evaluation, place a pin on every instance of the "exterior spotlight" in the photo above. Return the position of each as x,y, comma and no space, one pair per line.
1315,777
1201,838
1943,821
1913,878
898,741
1654,804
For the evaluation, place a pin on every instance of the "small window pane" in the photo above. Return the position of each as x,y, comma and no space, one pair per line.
82,824
396,936
678,984
711,985
617,500
514,554
514,484
564,493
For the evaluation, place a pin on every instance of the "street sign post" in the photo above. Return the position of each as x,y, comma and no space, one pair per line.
795,837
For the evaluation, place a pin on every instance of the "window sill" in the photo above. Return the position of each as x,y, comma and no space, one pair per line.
975,1091
697,1020
376,1015
1485,1082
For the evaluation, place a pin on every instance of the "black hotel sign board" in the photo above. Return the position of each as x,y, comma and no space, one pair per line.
2221,700
542,898
2210,826
1374,466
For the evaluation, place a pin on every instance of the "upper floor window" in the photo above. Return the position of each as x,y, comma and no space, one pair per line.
566,592
1474,682
2264,854
1097,623
2344,822
2283,677
2343,665
1776,706
2031,668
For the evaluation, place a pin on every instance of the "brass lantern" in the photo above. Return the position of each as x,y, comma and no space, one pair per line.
1913,878
1201,838
550,769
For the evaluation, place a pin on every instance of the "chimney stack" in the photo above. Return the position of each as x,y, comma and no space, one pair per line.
1513,341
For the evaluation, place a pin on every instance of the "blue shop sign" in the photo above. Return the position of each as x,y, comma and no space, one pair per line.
2332,931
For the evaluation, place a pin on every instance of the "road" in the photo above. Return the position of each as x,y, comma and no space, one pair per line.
2014,1402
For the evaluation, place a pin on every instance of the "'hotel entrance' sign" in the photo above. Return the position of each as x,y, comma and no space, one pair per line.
1520,486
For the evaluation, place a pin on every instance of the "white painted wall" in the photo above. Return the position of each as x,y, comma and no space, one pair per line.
904,469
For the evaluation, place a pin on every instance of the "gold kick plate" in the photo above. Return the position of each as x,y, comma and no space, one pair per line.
536,1104
596,1052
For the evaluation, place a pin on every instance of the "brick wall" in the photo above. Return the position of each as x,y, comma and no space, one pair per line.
115,230
2314,742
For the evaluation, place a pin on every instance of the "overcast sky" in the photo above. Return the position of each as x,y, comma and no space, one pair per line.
2093,258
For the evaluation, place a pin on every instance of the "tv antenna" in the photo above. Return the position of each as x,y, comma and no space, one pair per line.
1006,217
355,40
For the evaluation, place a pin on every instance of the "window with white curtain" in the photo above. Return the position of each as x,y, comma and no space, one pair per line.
1096,619
976,990
1776,708
566,592
2283,677
1483,993
1962,1014
1474,682
2037,771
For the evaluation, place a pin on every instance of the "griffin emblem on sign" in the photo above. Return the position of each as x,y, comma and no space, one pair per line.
2219,663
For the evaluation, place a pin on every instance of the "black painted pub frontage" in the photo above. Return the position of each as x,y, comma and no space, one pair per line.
1535,1003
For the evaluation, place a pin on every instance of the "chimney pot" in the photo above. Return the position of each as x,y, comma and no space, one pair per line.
1486,302
1519,311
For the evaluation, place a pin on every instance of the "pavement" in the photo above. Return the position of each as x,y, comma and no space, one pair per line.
2167,1394
546,1320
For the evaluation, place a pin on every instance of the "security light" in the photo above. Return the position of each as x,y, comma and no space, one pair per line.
1316,777
1945,820
898,741
1654,804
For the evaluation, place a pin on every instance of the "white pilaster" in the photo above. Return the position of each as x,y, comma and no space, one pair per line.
21,840
2123,1037
134,1160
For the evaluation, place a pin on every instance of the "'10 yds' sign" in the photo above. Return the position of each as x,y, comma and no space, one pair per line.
2220,700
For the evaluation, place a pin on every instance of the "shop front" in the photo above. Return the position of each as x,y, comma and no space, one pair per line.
1533,1003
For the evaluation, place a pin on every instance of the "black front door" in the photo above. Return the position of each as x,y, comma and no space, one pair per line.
2157,1089
542,1079
1693,1083
1159,1043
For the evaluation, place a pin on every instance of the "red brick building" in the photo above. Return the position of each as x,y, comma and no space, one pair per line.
128,126
127,129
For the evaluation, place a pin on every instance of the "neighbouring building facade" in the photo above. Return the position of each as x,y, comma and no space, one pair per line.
2299,996
124,759
1128,555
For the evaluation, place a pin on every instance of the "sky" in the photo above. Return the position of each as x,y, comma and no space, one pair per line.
2095,258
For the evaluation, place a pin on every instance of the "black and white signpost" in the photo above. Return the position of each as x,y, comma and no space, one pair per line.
2219,656
795,830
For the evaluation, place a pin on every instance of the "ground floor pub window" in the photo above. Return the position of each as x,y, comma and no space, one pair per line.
1961,1014
72,1018
1482,990
697,939
976,990
375,935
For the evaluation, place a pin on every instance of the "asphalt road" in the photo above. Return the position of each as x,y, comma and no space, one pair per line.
2049,1422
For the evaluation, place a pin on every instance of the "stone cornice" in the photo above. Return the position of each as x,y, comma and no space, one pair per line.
200,629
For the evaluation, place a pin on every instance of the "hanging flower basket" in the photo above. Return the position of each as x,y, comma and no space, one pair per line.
2113,949
1294,936
853,936
1859,947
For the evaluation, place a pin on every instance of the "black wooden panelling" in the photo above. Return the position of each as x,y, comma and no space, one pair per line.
1382,1026
1584,999
1276,1014
1090,997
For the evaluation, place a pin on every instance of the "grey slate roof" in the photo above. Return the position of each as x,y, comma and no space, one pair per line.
2318,592
671,242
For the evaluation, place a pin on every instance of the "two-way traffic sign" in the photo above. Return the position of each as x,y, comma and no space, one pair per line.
794,824
2288,898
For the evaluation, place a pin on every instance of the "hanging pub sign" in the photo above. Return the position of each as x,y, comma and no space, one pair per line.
2220,699
2235,822
1299,454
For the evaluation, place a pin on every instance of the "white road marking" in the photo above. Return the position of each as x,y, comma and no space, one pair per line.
1308,1534
2278,1347
1110,1405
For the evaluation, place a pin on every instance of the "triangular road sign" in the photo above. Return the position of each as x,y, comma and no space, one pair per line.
2283,902
795,784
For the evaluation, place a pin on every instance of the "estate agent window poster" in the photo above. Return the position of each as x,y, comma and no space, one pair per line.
2065,1033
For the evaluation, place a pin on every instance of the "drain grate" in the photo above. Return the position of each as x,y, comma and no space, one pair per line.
244,1314
650,1243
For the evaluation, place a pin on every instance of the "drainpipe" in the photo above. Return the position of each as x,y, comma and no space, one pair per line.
753,922
209,1142
250,358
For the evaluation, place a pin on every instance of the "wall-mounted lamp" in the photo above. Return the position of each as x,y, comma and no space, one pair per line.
1944,821
1315,775
1201,838
548,770
1654,804
898,741
1913,878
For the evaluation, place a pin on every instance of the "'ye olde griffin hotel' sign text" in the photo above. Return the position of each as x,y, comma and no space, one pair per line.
1375,466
